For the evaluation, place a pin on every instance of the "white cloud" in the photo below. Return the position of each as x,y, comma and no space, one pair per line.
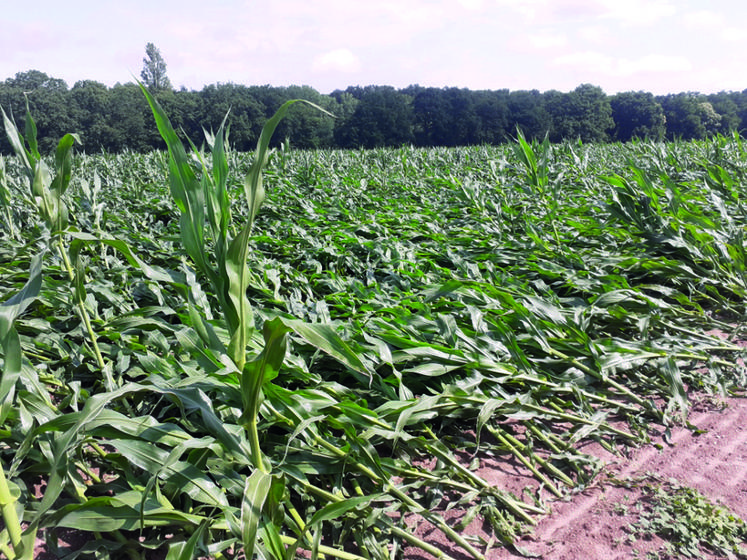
338,60
653,63
587,61
717,24
529,9
734,34
639,12
628,12
702,19
547,41
473,5
595,62
596,34
414,13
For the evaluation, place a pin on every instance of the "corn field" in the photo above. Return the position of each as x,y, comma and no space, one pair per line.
208,353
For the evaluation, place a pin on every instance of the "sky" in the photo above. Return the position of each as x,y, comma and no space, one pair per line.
659,46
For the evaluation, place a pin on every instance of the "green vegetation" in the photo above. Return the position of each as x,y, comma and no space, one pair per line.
183,372
686,520
117,119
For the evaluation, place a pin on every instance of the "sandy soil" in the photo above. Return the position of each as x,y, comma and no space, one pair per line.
591,524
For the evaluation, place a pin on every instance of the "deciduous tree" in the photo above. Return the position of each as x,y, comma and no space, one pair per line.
154,70
383,117
584,113
637,115
684,116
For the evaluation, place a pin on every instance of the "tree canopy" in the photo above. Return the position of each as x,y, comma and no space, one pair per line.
154,70
637,115
118,118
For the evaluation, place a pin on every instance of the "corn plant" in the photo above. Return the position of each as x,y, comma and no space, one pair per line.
48,194
5,200
206,227
535,159
239,420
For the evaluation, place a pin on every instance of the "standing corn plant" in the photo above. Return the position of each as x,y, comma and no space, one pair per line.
219,250
5,200
535,158
47,191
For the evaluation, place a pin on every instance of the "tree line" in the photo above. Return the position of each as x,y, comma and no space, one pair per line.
117,118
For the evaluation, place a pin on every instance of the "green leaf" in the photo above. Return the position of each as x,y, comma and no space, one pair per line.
272,540
263,368
676,386
151,272
235,266
325,338
96,515
255,493
253,188
10,310
31,133
16,141
184,476
185,188
239,311
187,550
336,510
64,163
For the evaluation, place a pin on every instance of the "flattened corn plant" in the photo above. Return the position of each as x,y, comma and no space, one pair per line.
185,376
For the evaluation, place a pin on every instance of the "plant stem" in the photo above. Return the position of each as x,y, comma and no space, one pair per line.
711,338
5,549
516,453
251,414
580,419
85,318
549,466
624,390
517,508
10,516
421,475
328,550
553,445
412,539
253,434
404,498
602,399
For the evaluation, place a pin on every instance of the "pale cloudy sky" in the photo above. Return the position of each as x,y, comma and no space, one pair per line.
660,46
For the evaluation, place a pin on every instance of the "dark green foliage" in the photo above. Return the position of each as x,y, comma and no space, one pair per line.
688,521
637,115
445,117
246,113
584,114
493,114
115,119
48,99
307,127
91,107
725,105
131,120
686,116
527,112
382,117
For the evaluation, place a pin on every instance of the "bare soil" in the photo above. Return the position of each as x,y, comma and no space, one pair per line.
709,456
